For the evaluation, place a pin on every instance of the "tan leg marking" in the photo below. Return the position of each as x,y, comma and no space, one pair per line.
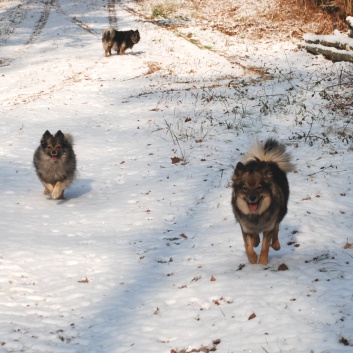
248,243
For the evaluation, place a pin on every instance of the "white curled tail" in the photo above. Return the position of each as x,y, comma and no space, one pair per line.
271,151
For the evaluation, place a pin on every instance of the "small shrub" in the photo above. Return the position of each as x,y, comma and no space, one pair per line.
163,9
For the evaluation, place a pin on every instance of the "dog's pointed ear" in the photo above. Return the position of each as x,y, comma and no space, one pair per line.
45,137
238,171
47,134
267,173
240,167
59,135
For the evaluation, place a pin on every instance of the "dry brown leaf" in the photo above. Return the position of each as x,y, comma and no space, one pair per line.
213,279
282,267
252,316
85,280
241,266
348,246
176,160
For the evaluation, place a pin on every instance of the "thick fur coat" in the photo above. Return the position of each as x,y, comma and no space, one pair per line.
119,41
55,163
260,196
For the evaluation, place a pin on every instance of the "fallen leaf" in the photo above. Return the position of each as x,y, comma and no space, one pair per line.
85,280
348,246
176,160
183,236
252,316
282,267
241,266
213,279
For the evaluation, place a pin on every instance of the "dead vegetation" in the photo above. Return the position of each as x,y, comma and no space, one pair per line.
257,20
152,67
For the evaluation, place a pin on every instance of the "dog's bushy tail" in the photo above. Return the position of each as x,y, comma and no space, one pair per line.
271,151
69,138
108,35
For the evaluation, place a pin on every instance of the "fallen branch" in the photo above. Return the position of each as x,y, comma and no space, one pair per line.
337,41
330,53
336,47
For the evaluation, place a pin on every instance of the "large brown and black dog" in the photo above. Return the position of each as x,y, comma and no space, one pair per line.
119,40
260,196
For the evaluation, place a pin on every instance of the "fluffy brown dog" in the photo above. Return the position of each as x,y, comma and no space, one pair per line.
260,196
55,163
119,40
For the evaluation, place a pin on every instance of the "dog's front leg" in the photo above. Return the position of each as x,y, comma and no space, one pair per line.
58,191
270,239
48,188
122,48
248,243
275,242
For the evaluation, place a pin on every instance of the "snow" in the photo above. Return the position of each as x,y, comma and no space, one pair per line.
144,255
349,20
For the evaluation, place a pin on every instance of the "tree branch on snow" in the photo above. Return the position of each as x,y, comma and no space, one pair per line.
330,53
336,47
336,41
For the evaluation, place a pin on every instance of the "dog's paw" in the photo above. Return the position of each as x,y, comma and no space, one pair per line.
276,245
57,194
252,257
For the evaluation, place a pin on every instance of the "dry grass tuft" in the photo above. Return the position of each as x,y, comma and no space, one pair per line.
321,16
152,67
273,20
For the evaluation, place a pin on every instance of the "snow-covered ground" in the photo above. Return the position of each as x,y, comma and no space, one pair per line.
144,254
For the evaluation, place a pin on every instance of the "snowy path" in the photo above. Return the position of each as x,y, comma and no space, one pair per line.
144,255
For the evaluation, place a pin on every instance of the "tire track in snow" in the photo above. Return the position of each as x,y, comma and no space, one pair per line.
76,21
38,26
48,5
